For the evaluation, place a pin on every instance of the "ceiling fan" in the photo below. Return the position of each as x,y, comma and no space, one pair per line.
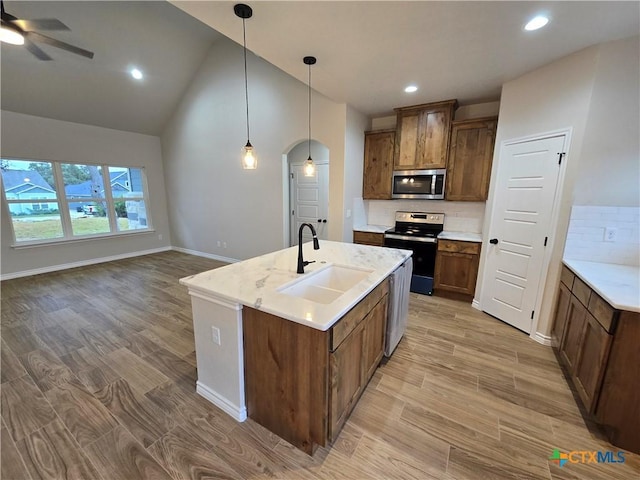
17,31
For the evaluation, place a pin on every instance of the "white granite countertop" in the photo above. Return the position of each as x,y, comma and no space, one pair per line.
255,282
619,285
372,228
461,236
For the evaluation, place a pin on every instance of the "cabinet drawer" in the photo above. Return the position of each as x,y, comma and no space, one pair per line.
581,291
353,317
456,246
566,277
368,238
604,313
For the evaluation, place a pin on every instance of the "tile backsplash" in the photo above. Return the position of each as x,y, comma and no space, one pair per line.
590,230
458,216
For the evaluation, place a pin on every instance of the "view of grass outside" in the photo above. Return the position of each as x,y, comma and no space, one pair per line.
50,227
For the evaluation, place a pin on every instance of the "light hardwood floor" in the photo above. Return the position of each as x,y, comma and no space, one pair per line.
98,372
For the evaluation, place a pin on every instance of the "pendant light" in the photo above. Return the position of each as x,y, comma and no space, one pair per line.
309,167
249,157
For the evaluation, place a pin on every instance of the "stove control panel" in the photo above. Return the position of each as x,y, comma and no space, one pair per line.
420,217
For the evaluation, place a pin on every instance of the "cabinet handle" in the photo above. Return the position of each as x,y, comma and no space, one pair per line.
493,241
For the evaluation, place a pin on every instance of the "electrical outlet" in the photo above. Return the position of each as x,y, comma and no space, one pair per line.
610,234
224,244
215,335
159,236
348,213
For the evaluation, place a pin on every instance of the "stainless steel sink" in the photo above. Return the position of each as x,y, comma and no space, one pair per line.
325,285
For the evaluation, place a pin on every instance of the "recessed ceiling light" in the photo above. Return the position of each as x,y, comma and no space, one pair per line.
411,89
536,22
137,74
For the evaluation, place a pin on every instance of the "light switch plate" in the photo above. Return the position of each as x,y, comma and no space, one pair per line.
215,335
610,234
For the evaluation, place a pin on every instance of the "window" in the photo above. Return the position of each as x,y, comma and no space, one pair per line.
51,201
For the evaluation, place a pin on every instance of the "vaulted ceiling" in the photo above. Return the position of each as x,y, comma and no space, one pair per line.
367,51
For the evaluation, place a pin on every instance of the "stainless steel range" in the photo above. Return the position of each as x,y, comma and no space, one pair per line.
418,231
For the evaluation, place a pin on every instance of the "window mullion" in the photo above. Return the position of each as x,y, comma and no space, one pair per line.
111,214
63,205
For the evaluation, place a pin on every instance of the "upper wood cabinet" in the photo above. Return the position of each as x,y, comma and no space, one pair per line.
378,164
422,135
470,158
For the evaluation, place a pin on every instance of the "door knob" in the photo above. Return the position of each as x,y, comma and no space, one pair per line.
493,241
319,221
324,221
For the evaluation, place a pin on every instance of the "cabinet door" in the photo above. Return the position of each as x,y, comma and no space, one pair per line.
574,330
560,318
456,272
407,141
374,333
378,165
433,138
591,365
422,136
345,379
470,159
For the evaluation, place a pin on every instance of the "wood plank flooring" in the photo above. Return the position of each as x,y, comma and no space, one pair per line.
98,382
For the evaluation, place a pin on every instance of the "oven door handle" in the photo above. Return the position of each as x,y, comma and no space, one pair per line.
408,238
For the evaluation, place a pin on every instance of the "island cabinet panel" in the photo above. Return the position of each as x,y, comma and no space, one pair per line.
286,378
470,159
378,164
422,135
368,238
302,383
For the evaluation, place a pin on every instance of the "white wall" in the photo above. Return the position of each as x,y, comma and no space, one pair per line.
353,168
211,198
609,172
566,94
29,137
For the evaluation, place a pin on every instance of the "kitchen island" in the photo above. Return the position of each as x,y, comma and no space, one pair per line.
272,344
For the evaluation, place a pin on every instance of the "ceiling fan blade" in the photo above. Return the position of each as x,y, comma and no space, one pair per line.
38,37
35,50
40,24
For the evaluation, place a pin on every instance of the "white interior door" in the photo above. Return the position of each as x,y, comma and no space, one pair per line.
309,201
525,194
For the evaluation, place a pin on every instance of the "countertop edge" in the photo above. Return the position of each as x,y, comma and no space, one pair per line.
574,266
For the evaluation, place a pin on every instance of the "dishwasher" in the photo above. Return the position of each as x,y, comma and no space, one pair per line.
398,313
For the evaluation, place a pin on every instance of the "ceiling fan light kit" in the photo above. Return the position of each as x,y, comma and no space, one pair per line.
17,31
249,157
309,167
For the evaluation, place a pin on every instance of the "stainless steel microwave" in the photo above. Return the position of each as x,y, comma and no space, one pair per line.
422,184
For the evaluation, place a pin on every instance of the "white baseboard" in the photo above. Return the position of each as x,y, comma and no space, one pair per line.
237,413
476,304
81,263
543,339
205,255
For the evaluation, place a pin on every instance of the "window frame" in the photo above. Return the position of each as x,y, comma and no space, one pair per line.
63,205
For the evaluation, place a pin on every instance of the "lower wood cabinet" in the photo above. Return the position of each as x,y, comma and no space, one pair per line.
368,238
598,347
302,383
456,267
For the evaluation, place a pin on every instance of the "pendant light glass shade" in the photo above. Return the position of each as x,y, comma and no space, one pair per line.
249,157
309,167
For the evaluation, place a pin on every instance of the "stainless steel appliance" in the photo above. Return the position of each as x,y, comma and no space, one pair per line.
398,305
418,231
421,184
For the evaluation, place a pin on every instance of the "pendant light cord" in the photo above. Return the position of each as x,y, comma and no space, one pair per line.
309,110
246,87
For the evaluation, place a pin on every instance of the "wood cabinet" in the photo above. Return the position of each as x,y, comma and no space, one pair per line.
456,268
368,238
470,159
378,164
422,135
302,383
598,347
